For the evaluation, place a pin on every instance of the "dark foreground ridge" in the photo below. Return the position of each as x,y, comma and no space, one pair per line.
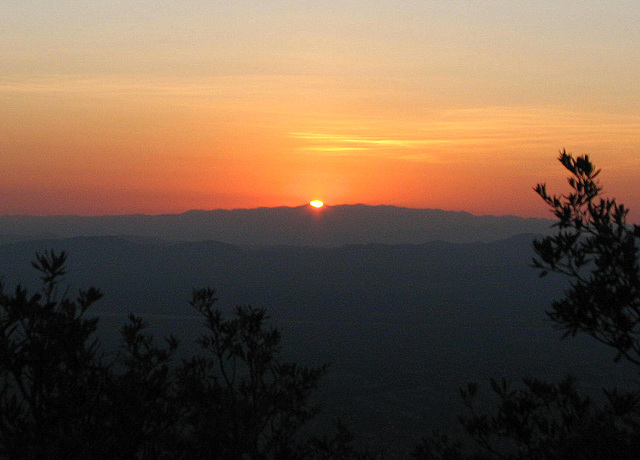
403,326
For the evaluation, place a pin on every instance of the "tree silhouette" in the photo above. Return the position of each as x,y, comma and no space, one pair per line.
143,412
241,400
50,368
596,249
61,398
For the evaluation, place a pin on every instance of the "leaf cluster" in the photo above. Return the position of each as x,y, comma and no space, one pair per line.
542,420
597,250
257,403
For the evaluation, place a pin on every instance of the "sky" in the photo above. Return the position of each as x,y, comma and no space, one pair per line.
158,107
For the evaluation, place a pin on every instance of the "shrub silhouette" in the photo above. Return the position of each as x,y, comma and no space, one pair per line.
51,371
240,400
597,250
61,398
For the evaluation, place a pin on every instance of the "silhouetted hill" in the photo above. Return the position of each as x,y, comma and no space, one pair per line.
300,281
300,226
403,326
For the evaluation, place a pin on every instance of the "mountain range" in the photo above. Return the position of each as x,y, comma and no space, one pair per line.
402,326
406,305
329,226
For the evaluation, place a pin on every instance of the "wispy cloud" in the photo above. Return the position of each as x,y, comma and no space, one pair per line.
341,144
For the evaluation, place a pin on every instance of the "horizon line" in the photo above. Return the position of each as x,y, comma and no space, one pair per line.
305,205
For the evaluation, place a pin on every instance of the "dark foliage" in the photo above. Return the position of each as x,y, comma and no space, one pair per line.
339,446
61,398
240,400
51,371
142,408
597,250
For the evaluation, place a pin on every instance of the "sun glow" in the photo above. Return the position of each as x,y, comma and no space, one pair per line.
316,203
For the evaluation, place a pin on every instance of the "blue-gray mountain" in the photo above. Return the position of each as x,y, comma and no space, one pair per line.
302,226
403,325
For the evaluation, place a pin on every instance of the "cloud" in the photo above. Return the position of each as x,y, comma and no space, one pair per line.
339,144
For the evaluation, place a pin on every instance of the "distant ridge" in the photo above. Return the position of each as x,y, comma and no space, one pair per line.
297,226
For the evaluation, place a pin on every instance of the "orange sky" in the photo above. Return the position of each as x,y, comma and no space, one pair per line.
164,107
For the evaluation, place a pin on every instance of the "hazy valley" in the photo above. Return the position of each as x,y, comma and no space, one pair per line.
403,319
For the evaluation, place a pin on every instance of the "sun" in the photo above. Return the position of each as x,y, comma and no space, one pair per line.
316,203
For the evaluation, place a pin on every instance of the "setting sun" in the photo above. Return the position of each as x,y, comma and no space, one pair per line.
316,203
292,102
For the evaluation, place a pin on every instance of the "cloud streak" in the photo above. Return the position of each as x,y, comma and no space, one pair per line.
342,144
